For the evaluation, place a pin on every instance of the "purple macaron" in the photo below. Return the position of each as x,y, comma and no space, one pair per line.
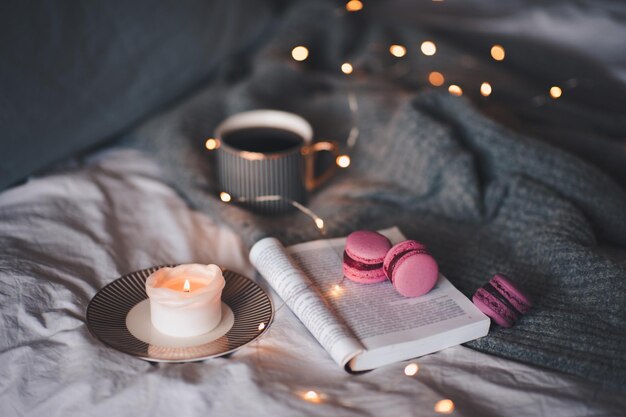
364,255
502,301
411,269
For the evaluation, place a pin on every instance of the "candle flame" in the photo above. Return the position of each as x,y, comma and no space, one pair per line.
187,286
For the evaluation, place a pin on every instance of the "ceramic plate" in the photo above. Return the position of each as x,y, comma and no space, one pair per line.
118,315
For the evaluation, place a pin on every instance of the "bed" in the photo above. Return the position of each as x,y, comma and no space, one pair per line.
71,229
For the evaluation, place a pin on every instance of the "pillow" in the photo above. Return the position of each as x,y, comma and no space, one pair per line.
73,74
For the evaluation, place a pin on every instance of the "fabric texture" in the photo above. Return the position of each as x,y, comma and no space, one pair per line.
75,74
483,198
67,235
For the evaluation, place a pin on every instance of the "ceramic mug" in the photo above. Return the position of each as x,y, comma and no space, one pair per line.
269,153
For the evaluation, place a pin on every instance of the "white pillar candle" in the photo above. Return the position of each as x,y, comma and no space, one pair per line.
186,300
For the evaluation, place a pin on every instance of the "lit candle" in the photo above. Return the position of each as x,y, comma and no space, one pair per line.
186,300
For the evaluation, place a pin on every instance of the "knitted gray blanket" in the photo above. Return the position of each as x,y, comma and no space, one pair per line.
483,198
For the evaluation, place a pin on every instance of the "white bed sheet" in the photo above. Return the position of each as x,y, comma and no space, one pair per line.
66,235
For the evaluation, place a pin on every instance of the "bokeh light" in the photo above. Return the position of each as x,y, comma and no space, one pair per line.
311,396
225,197
455,90
397,50
211,144
485,89
436,78
444,407
300,53
343,161
555,92
497,52
354,5
428,48
346,68
411,369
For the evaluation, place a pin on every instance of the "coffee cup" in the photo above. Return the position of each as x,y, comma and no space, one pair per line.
269,153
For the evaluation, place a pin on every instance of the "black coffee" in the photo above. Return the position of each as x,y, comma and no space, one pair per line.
262,139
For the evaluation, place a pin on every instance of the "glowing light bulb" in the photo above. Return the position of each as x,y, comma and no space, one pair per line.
485,89
497,52
300,53
411,369
261,326
187,286
436,78
346,68
311,396
397,50
555,92
444,407
429,48
211,144
455,90
354,6
225,197
343,161
319,223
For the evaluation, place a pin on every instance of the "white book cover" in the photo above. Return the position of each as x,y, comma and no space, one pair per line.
364,326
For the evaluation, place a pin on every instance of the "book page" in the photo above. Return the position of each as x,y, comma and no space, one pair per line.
375,313
296,289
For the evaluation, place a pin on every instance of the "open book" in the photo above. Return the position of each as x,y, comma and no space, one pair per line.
364,326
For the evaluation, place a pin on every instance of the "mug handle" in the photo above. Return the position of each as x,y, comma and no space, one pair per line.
312,182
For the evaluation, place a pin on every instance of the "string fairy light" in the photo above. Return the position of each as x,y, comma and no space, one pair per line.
555,92
411,369
225,197
319,222
211,144
397,50
444,406
312,396
436,78
428,48
346,68
300,53
343,161
485,89
354,6
455,90
497,52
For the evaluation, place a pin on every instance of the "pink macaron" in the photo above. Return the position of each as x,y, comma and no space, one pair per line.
410,268
502,301
364,255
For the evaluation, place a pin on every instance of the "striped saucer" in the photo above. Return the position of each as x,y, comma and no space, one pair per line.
108,309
